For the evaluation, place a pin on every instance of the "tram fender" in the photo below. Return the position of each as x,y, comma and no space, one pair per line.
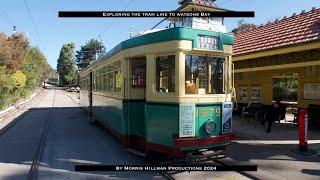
192,142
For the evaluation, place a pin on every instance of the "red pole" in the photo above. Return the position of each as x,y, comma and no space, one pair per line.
303,129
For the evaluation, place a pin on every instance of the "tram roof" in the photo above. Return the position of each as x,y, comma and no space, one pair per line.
177,33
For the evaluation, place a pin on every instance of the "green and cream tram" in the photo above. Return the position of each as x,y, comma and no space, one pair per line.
168,91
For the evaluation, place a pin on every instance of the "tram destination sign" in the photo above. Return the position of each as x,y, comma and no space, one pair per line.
187,120
208,42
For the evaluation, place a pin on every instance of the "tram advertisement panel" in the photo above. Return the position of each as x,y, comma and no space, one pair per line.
226,117
187,120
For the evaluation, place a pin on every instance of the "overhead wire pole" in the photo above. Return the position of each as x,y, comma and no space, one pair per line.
108,26
114,20
34,24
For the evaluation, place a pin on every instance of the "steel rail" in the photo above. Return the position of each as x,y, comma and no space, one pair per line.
240,172
33,172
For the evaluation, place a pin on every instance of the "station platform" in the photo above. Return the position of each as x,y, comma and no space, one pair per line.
272,152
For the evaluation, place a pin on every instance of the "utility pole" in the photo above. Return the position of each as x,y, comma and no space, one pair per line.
131,31
14,30
96,55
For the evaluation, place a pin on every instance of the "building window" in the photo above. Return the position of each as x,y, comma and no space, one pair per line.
204,75
239,76
165,74
138,73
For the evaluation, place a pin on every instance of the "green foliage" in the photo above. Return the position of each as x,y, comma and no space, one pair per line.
35,68
88,53
7,87
22,68
20,78
66,67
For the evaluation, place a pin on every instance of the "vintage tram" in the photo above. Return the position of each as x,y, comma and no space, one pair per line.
164,91
168,91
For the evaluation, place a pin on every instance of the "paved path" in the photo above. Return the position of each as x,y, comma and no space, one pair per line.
73,140
272,151
19,143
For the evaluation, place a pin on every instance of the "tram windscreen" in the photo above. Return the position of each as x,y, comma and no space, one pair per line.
204,75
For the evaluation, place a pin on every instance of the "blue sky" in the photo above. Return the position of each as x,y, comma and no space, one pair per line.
53,32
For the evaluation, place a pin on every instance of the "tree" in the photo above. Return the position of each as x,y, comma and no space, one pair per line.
12,51
35,67
22,68
66,67
20,78
88,53
242,26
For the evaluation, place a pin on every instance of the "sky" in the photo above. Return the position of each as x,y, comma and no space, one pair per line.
50,32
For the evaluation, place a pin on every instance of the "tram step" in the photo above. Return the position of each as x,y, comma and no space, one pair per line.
137,152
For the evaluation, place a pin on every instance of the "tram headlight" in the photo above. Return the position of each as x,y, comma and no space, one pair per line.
211,127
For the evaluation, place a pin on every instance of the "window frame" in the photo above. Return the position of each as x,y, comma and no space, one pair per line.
157,82
132,72
225,75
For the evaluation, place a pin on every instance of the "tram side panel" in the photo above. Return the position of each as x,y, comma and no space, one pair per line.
109,112
162,124
134,124
85,85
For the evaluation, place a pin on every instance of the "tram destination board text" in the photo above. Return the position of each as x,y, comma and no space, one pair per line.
144,14
81,168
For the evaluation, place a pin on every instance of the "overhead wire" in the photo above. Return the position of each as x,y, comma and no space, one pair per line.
34,24
109,25
115,19
6,17
166,18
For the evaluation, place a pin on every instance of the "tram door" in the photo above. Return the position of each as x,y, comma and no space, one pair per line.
136,99
90,93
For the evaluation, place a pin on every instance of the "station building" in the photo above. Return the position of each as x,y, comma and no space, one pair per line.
280,60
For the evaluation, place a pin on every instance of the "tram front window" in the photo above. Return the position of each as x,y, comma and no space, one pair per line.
165,74
204,75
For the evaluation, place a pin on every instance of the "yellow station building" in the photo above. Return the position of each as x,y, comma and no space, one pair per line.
269,56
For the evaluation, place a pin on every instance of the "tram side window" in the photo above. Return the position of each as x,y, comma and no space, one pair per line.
138,71
165,74
117,80
110,82
204,75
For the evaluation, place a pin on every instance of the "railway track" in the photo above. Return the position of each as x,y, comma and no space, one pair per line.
245,174
38,154
33,172
200,161
216,160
